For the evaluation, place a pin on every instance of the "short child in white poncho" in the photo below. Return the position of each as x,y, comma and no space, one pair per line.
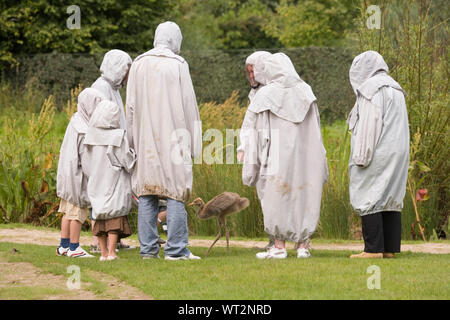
108,161
71,182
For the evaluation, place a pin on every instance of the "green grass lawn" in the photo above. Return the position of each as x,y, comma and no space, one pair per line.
239,275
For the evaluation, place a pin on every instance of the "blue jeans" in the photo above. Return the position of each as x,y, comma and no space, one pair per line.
177,230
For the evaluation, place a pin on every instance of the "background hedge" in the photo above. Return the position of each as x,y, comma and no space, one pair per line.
215,74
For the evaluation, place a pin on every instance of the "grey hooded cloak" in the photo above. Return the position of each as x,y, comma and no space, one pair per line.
71,183
379,158
163,121
108,161
285,157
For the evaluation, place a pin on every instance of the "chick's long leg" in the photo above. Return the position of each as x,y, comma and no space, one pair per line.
227,234
218,236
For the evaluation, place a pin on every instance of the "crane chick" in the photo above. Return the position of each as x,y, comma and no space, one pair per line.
220,206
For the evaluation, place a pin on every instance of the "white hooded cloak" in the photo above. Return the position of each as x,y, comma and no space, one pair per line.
285,157
379,158
71,183
163,120
114,68
107,161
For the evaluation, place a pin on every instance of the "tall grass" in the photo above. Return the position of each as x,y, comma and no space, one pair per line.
29,149
213,179
337,219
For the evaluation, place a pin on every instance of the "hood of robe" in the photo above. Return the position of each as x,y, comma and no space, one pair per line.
104,124
115,66
368,73
88,100
251,59
284,92
167,42
168,34
250,63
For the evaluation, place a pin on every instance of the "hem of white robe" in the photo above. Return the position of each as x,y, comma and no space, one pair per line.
163,195
362,214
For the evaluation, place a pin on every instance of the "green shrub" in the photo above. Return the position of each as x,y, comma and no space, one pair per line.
215,74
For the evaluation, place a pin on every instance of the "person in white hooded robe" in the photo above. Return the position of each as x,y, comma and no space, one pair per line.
379,158
164,129
114,74
107,162
284,155
254,86
71,183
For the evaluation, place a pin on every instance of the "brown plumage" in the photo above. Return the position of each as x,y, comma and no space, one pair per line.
220,206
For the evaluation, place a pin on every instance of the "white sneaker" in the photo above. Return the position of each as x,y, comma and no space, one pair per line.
303,253
272,253
60,251
189,257
79,253
109,258
192,257
103,258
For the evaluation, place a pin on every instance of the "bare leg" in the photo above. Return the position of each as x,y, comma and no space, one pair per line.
303,245
280,244
103,248
112,242
75,230
94,238
65,227
217,238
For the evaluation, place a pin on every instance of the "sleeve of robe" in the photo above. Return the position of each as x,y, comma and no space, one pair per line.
82,163
190,108
249,144
367,131
84,177
122,157
130,102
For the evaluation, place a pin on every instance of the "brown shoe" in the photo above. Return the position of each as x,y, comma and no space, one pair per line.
367,255
388,255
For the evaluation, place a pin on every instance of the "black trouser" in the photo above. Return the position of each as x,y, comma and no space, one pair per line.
382,232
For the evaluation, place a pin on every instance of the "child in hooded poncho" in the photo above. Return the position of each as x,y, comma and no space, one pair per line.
114,73
71,182
108,161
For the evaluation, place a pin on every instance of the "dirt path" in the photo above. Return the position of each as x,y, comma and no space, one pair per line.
41,237
22,280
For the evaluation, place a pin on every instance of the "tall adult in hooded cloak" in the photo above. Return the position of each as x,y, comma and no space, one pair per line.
284,156
379,158
163,127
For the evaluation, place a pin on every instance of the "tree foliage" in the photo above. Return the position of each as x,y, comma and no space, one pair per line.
312,22
225,24
39,26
